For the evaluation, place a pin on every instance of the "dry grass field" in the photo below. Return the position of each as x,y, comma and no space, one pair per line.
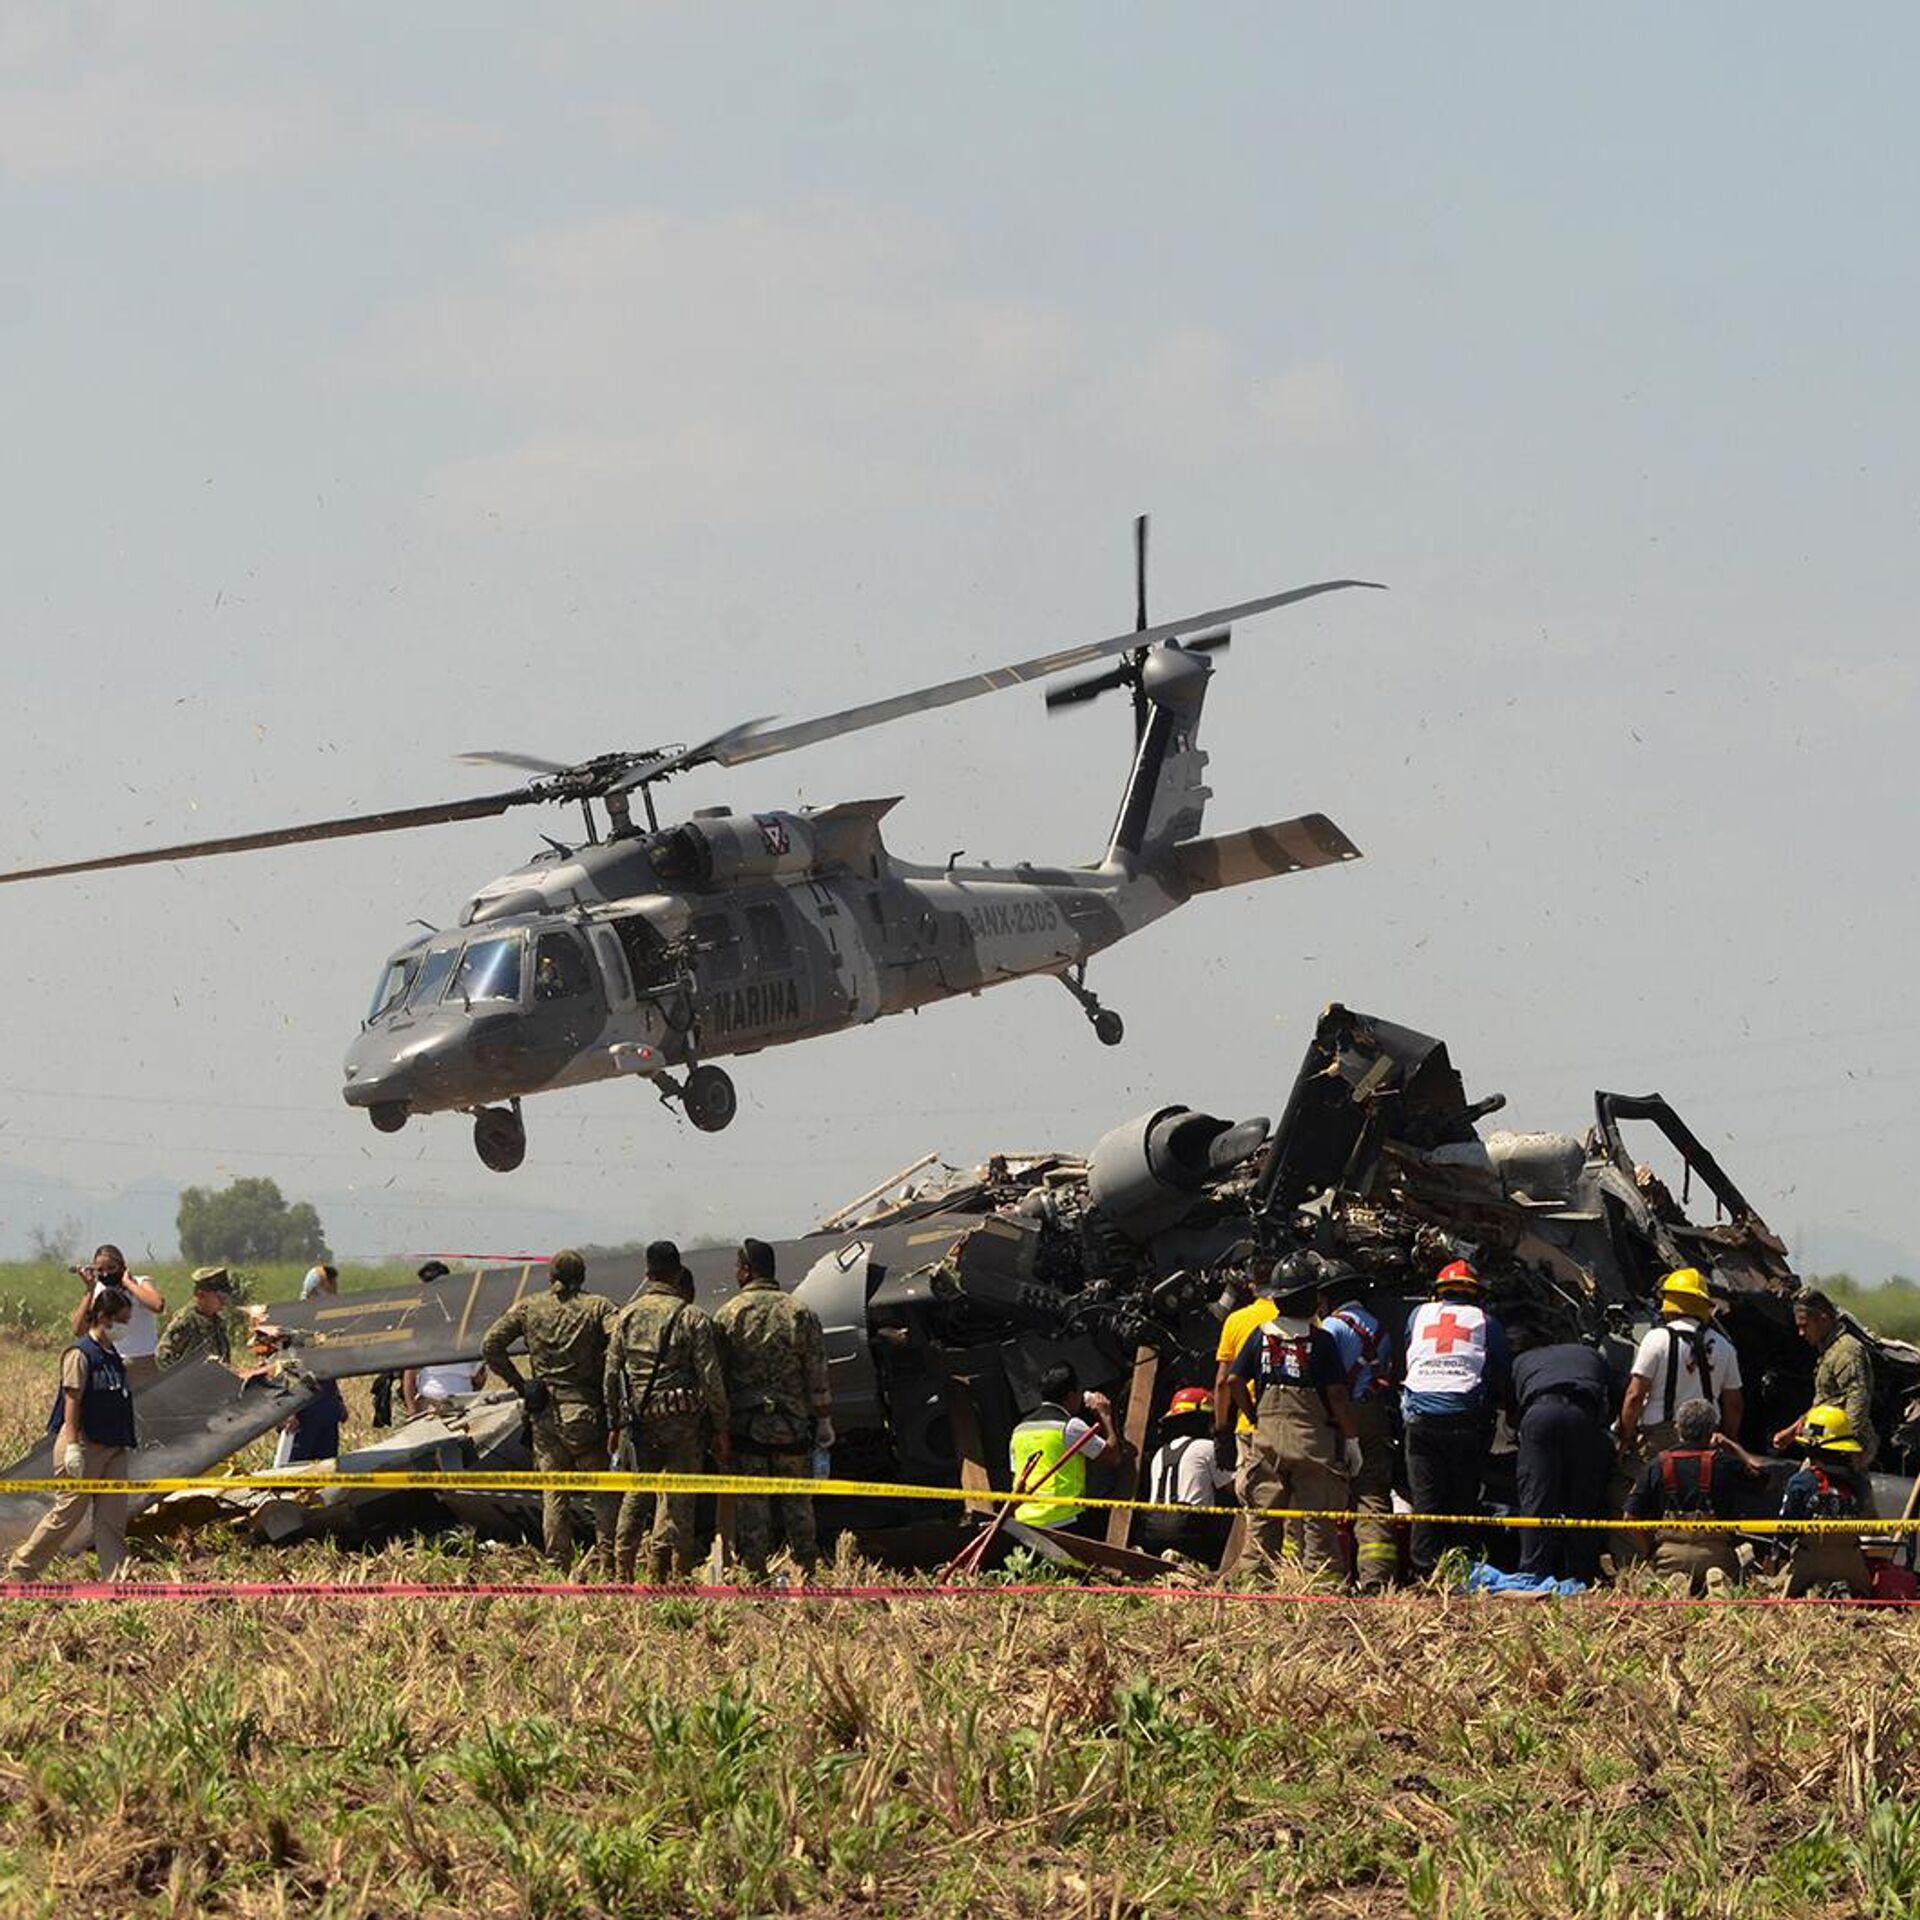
1058,1753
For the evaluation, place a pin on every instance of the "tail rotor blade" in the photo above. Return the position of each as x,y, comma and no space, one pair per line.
1213,642
1076,691
1140,573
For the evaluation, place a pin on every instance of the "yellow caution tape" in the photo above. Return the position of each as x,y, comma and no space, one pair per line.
542,1481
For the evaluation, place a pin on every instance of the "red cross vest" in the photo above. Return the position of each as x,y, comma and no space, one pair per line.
1446,1348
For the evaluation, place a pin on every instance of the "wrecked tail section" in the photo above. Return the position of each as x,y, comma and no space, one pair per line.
1261,853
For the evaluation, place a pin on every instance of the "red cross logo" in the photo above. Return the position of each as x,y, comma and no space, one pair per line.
1446,1333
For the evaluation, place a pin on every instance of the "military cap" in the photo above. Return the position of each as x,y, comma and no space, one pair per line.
214,1279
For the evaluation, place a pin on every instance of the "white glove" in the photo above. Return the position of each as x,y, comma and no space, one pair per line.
823,1432
1351,1456
73,1462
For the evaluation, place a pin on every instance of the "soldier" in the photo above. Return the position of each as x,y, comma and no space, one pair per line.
1842,1376
664,1390
566,1332
200,1329
1306,1447
773,1353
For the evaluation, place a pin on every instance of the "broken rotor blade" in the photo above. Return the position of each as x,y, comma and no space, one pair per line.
877,713
393,822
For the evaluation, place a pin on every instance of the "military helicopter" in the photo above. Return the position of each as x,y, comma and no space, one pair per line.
653,951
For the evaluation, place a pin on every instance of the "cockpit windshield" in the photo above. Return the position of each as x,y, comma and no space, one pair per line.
393,986
432,977
489,970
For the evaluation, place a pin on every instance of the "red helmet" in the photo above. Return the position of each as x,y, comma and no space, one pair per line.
1189,1400
1457,1277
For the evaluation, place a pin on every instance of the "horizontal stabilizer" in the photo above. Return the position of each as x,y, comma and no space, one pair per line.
1259,853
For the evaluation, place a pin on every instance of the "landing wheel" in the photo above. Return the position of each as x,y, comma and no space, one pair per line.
499,1138
389,1116
1108,1028
709,1099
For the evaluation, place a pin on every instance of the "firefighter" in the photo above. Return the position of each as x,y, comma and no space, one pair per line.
1700,1478
1305,1450
1829,1487
1361,1343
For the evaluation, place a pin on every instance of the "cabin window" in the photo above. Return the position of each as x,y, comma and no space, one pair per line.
560,969
718,946
646,951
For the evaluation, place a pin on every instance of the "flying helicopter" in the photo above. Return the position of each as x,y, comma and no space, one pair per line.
653,951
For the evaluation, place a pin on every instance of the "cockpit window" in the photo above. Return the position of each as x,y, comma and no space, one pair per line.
393,985
432,977
489,970
560,970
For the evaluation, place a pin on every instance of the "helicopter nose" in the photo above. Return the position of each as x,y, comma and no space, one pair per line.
418,1070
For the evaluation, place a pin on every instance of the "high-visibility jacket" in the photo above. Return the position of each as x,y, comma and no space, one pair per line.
1042,1439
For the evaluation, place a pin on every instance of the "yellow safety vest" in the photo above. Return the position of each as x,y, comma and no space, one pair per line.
1043,1440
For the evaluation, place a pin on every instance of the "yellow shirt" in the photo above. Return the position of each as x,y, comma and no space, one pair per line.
1233,1336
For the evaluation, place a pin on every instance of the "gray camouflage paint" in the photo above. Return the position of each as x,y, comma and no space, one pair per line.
734,933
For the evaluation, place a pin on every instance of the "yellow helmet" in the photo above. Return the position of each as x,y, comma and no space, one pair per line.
1830,1429
1684,1290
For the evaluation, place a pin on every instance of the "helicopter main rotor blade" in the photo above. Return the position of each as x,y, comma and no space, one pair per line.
526,762
877,713
393,822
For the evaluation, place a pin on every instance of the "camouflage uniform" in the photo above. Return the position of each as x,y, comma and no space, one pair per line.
192,1334
1843,1377
775,1357
662,1359
566,1337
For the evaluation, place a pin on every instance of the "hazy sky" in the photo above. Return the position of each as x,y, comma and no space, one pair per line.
388,381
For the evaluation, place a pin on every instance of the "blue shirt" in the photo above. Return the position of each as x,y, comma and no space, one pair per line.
1492,1387
1352,1330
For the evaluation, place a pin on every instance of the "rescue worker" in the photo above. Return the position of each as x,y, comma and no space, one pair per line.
1361,1343
200,1330
1842,1376
1184,1471
1453,1388
1253,1307
1051,1446
773,1358
1564,1400
93,1431
1684,1358
1305,1450
1702,1477
566,1331
664,1391
1829,1487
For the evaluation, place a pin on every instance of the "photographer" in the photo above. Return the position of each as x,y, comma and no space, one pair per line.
141,1335
93,1431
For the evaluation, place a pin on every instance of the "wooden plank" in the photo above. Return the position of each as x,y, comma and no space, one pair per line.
1146,1371
976,1477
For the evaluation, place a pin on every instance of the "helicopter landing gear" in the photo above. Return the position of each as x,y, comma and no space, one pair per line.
1108,1028
709,1098
388,1116
706,1095
499,1137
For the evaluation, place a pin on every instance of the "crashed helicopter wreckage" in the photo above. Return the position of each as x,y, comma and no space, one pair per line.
946,1294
